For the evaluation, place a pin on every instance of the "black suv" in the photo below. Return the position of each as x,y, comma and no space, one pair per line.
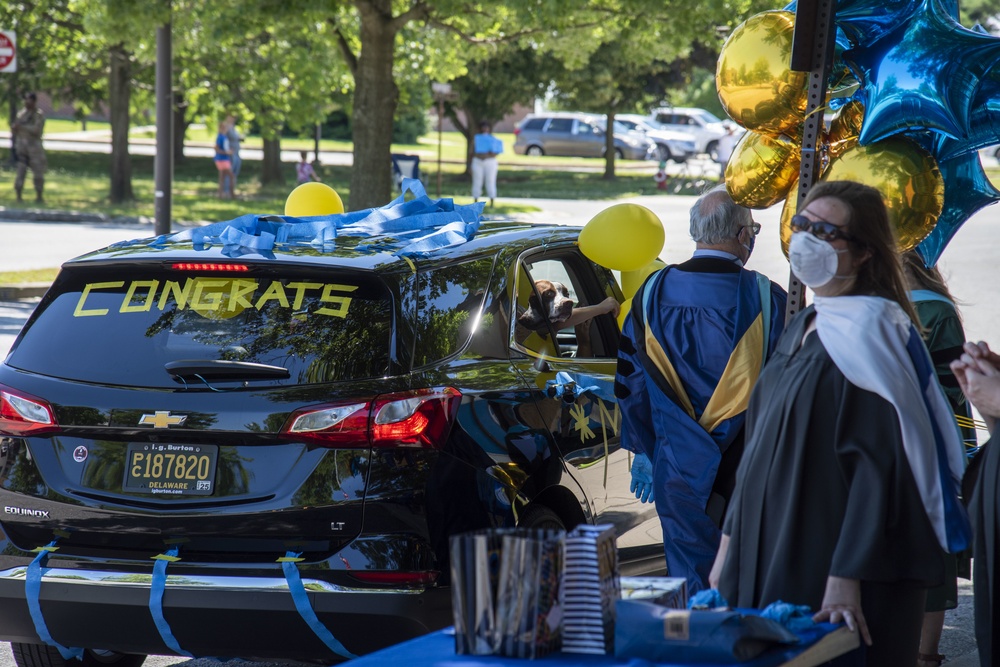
186,424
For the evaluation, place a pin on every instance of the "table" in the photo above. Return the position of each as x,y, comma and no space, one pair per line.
437,649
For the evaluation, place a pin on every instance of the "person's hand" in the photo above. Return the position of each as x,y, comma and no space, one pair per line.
642,478
842,603
978,376
720,560
611,305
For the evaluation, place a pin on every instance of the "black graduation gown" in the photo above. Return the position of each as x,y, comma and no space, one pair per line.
824,488
983,512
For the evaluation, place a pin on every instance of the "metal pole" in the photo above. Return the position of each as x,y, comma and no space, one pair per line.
316,142
812,51
440,119
163,168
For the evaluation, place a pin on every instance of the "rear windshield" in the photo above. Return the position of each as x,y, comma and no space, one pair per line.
108,329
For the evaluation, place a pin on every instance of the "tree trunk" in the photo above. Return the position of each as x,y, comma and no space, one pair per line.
609,147
119,100
375,100
180,125
270,168
469,133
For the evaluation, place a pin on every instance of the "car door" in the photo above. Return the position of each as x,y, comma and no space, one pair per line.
572,370
558,137
589,139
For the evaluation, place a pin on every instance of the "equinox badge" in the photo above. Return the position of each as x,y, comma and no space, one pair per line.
162,419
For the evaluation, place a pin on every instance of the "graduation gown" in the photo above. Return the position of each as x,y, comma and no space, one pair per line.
698,313
983,511
823,489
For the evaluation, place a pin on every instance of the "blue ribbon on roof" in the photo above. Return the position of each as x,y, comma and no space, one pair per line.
406,228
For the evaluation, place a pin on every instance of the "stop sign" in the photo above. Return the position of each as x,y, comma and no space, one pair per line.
8,51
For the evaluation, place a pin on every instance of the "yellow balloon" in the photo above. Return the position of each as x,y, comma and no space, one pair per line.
632,280
623,311
755,84
623,237
762,169
845,128
313,199
790,208
908,178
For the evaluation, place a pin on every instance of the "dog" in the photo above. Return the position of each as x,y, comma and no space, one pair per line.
550,304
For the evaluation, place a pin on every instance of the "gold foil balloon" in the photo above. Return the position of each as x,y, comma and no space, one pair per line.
845,128
762,169
787,211
908,178
753,78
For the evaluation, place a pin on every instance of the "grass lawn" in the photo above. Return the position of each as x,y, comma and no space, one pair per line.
79,182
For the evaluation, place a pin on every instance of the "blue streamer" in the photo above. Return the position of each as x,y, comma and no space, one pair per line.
156,601
32,591
305,609
415,227
797,618
707,598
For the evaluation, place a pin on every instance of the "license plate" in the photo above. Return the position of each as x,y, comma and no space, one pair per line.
175,470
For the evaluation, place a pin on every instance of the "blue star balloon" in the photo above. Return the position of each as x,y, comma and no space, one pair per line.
966,190
924,75
866,21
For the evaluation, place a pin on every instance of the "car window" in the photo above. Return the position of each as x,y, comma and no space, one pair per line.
533,124
449,308
105,328
560,125
540,310
629,124
584,128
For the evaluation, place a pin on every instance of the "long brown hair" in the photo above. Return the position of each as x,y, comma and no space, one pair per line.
921,276
868,225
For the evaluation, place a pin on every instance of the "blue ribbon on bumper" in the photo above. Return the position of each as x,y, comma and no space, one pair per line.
32,591
415,227
302,605
156,589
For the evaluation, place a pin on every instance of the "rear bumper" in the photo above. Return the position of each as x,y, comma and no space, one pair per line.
248,617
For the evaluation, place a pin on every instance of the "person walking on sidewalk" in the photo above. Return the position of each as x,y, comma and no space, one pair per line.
224,162
27,129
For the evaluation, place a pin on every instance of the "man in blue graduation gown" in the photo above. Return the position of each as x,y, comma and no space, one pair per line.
691,349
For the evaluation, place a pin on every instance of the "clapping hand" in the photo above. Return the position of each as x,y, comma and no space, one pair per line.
978,374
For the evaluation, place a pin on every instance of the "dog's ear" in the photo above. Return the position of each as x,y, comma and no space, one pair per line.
532,318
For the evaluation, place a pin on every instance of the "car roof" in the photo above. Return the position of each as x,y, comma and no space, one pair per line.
351,252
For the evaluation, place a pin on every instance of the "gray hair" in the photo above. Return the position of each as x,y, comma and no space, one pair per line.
716,218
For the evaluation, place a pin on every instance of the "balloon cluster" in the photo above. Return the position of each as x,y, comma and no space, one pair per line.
626,238
915,95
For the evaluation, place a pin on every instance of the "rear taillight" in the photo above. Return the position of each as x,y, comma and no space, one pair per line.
209,267
421,418
21,414
517,131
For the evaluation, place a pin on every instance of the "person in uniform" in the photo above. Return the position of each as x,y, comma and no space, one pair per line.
853,458
27,129
691,349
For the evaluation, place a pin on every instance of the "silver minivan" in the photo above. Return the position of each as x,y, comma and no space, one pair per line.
578,135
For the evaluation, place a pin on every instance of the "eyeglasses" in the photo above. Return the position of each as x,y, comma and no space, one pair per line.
821,229
754,227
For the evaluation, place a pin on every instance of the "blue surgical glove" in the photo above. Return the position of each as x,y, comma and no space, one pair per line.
642,478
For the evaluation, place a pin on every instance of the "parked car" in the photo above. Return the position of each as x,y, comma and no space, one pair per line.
704,125
576,134
670,144
342,410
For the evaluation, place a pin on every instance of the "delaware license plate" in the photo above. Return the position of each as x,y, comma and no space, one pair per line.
176,470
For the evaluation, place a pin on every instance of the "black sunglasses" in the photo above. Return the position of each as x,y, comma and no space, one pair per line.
821,229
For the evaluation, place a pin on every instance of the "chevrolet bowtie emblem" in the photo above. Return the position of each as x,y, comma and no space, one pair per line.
162,419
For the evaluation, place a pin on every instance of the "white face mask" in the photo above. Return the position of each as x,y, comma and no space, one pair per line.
813,261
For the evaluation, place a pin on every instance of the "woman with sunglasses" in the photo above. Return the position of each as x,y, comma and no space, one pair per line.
852,457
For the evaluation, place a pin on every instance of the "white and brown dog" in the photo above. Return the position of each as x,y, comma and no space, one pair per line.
550,305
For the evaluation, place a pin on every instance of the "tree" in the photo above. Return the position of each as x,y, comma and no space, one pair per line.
491,86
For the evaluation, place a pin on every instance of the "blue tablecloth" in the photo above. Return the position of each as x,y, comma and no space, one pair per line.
438,650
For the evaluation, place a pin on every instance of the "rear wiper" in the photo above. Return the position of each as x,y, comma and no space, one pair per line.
184,370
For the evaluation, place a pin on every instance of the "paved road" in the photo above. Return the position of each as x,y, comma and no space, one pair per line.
971,265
